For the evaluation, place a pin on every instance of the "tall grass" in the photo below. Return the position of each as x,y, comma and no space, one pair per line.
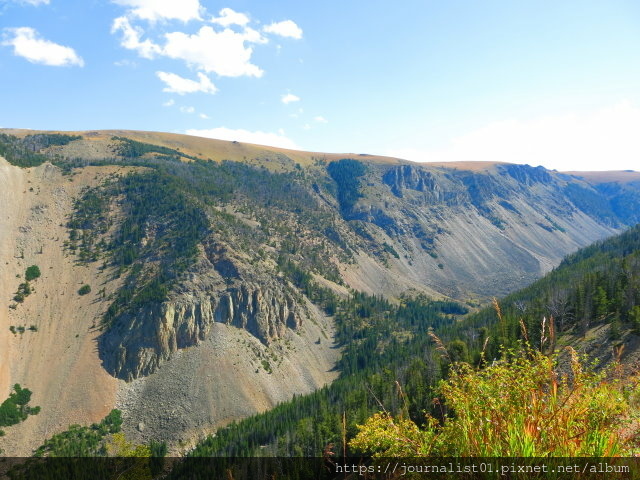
521,406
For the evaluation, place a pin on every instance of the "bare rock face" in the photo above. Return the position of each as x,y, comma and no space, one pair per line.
410,177
528,175
433,188
137,344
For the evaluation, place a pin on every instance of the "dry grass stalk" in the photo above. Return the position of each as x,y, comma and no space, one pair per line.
523,329
618,369
576,366
440,346
496,307
484,346
552,334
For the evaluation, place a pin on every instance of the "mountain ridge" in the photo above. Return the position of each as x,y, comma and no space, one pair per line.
172,139
155,228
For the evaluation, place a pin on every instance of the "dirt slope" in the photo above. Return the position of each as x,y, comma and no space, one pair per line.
223,379
58,361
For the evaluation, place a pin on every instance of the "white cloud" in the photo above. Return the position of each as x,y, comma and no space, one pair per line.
224,47
155,10
321,119
28,44
169,103
35,3
604,139
306,126
253,36
177,84
222,52
286,28
230,17
204,116
125,63
187,109
289,98
258,137
131,38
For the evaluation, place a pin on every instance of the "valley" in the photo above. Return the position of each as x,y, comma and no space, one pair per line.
225,277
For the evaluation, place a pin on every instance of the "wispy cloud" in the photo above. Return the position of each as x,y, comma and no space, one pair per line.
286,28
27,43
187,109
125,63
158,10
230,17
177,84
321,119
289,98
34,3
132,38
257,137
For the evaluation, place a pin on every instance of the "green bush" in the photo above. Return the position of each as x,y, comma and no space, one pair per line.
32,273
14,409
519,407
267,366
84,289
82,441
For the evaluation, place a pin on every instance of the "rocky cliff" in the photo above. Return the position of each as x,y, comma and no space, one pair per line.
136,345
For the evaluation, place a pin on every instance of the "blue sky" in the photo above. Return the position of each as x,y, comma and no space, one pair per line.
538,82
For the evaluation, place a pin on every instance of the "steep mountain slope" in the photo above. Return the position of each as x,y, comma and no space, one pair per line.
590,302
56,359
60,359
200,256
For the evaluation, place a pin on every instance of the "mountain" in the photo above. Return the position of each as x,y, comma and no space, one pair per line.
590,302
192,282
592,299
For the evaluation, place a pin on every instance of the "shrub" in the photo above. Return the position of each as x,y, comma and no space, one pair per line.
24,290
14,409
84,289
267,366
519,407
32,273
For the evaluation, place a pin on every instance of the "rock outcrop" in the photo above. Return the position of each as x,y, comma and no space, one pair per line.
137,344
410,177
528,175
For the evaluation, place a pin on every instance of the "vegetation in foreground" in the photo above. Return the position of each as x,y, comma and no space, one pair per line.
522,406
534,397
99,451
